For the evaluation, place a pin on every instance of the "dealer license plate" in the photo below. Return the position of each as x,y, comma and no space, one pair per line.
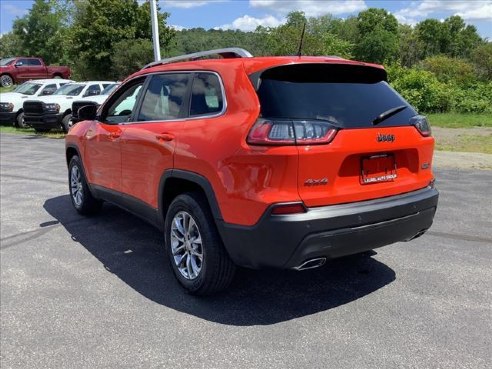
378,168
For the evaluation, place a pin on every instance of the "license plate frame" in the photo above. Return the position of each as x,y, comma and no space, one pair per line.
377,169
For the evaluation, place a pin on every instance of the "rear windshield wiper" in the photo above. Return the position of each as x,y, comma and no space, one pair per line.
388,113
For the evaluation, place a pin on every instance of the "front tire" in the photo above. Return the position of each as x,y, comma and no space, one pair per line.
196,252
66,122
19,120
82,199
6,80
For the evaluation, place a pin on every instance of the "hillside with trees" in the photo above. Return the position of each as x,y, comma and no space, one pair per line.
439,66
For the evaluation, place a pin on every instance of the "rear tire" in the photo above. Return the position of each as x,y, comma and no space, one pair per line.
81,196
195,250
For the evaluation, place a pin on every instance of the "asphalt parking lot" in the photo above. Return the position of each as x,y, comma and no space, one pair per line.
97,292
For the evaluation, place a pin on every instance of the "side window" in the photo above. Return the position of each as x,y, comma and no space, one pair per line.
24,62
48,90
164,98
206,95
93,90
34,62
121,109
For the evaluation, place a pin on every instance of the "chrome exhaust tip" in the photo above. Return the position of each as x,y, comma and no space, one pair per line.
311,264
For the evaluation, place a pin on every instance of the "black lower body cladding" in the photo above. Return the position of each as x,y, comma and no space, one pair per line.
287,241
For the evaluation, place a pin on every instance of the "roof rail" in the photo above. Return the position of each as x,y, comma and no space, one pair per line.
231,52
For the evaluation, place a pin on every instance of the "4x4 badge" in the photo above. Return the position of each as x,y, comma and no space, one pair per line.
385,138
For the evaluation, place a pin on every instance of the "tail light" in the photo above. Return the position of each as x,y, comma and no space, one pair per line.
422,124
287,132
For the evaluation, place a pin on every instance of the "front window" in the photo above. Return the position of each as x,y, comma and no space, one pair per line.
122,108
72,89
6,61
28,88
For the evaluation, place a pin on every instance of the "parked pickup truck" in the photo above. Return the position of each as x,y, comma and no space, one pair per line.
91,100
11,110
55,111
20,69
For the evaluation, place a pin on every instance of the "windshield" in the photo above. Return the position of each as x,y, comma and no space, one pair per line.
7,61
72,89
348,96
109,89
28,88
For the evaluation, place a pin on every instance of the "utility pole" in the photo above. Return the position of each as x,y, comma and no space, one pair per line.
155,30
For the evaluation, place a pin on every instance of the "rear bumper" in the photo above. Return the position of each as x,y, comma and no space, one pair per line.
46,121
286,241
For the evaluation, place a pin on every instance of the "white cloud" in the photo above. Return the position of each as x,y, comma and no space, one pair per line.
468,10
248,23
312,8
176,27
14,10
187,4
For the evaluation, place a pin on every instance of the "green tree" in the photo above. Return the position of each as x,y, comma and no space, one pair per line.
410,49
377,36
285,39
98,25
450,70
42,31
130,56
9,45
481,57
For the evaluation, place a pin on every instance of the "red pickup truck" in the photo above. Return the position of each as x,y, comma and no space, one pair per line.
20,69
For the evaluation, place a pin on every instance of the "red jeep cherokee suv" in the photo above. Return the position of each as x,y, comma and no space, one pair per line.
278,162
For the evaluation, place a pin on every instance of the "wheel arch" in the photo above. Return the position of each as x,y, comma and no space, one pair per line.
175,182
70,152
10,75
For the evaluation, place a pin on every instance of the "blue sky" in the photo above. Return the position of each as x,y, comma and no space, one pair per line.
247,14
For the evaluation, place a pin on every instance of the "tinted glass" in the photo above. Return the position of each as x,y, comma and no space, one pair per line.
25,62
48,90
164,98
93,90
35,62
348,96
206,95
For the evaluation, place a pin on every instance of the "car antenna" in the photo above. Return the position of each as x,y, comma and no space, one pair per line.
299,52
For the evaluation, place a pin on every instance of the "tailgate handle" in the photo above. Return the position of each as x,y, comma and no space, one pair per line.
165,137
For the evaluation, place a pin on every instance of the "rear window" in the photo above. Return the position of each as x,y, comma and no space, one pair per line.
346,95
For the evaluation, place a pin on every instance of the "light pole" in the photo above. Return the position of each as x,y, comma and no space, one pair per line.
155,30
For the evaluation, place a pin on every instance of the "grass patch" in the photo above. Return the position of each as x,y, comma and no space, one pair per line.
23,131
7,89
467,143
460,120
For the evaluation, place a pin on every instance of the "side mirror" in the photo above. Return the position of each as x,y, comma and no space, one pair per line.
88,112
18,64
47,92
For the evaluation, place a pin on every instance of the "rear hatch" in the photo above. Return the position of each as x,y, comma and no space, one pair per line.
357,138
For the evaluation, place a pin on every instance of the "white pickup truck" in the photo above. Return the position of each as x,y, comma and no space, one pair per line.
55,111
11,110
91,100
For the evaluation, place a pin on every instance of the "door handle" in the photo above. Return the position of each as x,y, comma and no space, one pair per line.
165,137
114,135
